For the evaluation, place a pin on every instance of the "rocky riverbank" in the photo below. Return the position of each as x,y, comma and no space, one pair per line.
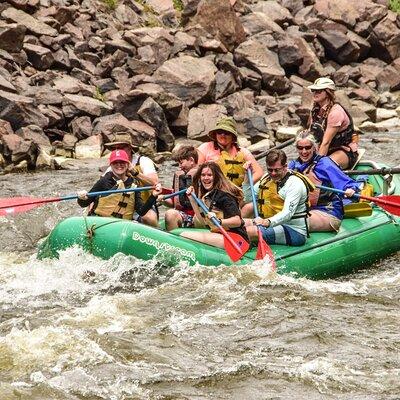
74,71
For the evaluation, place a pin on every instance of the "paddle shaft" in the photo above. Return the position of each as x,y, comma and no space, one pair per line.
376,171
277,147
179,192
72,197
217,224
253,193
359,196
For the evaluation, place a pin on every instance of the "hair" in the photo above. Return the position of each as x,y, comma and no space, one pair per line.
306,135
274,156
221,182
316,107
186,152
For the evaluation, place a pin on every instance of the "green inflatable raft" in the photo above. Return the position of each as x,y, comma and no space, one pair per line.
359,243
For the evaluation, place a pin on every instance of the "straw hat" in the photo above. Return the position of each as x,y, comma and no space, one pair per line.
322,83
226,124
121,138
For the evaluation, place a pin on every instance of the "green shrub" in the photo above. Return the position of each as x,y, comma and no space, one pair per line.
110,4
394,5
98,95
178,5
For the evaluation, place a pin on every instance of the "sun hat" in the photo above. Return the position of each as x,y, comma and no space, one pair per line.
322,83
118,155
121,138
226,124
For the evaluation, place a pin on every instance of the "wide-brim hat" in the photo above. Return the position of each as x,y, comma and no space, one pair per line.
121,139
322,83
226,124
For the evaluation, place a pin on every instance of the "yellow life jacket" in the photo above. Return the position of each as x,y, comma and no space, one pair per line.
146,193
232,167
208,202
119,205
269,200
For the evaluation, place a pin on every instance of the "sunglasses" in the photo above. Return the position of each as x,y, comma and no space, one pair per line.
270,170
304,147
318,91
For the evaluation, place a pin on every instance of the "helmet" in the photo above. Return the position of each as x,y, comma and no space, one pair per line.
323,83
119,155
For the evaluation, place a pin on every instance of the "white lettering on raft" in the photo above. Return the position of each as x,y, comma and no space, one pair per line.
163,246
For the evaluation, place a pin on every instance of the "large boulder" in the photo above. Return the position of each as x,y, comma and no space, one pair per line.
190,79
12,37
219,19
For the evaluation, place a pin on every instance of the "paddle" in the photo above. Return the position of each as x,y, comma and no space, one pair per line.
389,203
234,244
168,196
23,204
263,249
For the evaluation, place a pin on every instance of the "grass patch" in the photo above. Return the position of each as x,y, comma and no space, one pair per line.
98,95
178,5
394,5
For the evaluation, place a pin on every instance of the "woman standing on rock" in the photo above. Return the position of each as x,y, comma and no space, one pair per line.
332,125
226,152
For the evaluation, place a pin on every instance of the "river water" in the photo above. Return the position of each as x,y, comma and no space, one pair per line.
134,331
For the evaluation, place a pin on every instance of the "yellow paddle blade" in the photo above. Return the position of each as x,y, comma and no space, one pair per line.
355,210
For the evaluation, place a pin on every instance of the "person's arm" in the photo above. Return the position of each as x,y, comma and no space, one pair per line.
148,174
255,166
230,209
141,208
329,134
197,212
100,186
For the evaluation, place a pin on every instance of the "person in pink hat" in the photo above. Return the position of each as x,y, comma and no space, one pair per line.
118,205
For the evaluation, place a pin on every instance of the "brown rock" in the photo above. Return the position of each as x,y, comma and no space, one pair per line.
275,11
219,19
6,85
12,37
152,113
257,22
190,79
81,127
40,57
74,105
32,24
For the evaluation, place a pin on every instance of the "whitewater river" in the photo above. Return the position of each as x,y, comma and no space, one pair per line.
133,331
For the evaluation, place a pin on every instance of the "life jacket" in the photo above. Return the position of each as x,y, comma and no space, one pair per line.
182,181
210,203
269,200
317,197
232,167
341,139
119,205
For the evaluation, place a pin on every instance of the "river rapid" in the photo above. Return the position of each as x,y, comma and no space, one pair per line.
133,330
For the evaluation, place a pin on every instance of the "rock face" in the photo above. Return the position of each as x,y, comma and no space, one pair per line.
73,73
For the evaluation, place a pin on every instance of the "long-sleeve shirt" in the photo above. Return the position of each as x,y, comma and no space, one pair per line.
109,182
294,194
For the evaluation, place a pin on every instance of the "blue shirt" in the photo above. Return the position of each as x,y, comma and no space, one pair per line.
328,172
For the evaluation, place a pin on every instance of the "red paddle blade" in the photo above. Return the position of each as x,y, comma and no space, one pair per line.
13,205
235,246
389,203
264,250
